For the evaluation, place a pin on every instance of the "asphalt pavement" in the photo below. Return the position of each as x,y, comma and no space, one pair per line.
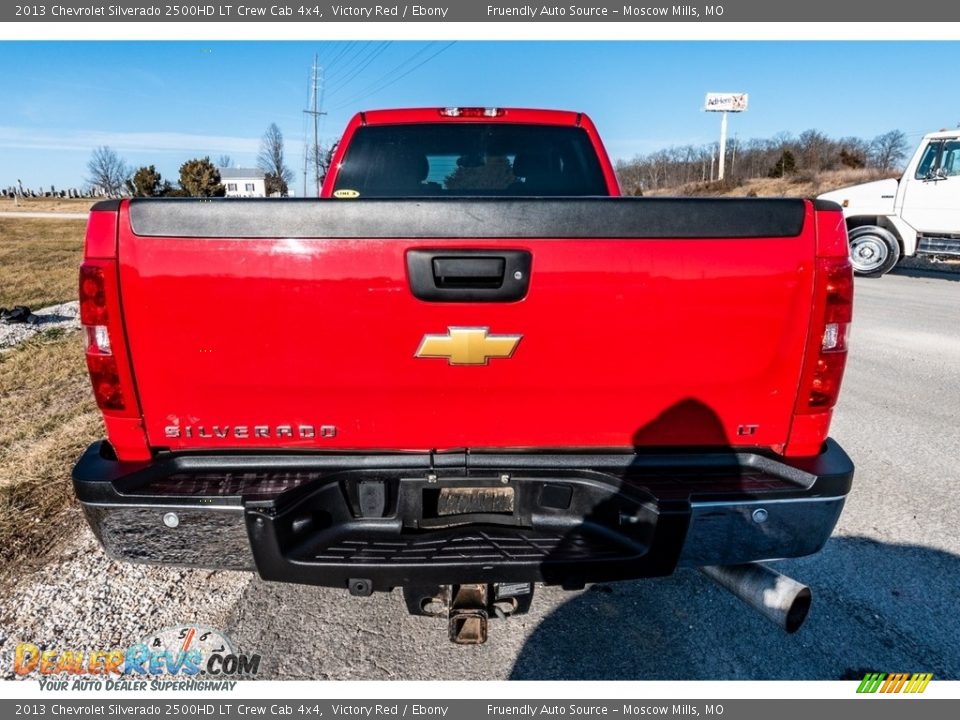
886,587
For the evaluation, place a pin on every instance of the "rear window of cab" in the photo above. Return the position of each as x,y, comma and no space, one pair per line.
456,159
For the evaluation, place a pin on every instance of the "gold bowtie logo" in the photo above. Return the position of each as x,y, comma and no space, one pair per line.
468,346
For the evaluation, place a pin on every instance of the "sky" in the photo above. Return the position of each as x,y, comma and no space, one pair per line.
162,103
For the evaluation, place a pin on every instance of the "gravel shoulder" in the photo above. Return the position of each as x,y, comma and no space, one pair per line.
85,601
63,317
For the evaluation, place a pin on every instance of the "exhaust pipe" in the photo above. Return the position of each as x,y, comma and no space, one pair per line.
780,599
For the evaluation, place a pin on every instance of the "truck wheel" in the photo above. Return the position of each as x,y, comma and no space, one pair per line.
873,250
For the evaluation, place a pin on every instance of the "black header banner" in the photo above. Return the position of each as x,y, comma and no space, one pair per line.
480,11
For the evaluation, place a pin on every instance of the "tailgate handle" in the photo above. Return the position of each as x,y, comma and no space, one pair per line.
468,272
448,275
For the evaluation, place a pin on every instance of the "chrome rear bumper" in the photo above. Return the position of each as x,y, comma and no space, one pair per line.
572,519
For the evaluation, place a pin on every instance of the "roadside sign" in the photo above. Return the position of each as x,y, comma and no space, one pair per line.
725,102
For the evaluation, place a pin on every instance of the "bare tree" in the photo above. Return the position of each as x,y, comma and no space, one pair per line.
630,175
815,151
224,161
107,171
779,156
322,156
889,150
853,152
271,161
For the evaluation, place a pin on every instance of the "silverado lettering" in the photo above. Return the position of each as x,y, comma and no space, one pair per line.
243,432
532,378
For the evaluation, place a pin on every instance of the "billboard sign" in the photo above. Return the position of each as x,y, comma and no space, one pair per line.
725,102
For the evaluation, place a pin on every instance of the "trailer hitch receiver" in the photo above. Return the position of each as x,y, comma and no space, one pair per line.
468,613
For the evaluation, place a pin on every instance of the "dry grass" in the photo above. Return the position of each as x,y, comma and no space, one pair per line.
798,185
807,185
47,418
39,260
80,205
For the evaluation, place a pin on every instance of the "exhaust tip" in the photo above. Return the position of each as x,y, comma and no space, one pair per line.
779,598
798,611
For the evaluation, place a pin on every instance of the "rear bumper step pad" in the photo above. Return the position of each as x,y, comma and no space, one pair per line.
404,520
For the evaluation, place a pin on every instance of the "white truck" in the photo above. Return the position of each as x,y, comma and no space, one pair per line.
919,214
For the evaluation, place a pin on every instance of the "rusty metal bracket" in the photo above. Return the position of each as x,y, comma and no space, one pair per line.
468,614
470,606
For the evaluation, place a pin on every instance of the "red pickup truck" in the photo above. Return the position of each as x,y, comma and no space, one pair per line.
466,369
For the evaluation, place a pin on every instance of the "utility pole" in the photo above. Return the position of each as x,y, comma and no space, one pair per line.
316,102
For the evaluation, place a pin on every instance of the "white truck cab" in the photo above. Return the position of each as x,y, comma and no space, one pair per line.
917,214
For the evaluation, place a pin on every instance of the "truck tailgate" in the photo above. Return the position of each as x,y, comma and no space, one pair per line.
646,322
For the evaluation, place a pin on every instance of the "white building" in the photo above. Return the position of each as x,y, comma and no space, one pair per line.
243,182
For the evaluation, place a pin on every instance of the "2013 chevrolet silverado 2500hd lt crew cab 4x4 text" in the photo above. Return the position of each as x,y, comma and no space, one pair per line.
466,369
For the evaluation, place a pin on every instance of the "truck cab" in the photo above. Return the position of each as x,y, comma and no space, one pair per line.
469,151
918,214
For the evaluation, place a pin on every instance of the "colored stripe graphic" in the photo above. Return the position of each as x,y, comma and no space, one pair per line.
924,680
894,683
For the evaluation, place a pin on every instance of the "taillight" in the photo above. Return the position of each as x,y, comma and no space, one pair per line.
826,352
104,342
99,315
471,112
825,366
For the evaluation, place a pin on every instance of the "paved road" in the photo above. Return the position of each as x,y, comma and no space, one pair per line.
887,586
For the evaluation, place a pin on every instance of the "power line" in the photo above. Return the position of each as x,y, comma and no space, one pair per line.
393,72
361,66
395,80
396,69
333,61
351,56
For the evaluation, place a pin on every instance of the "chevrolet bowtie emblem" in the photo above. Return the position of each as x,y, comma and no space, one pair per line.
468,346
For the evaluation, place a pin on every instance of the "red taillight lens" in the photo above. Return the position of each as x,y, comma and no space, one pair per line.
837,277
93,296
106,382
825,381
